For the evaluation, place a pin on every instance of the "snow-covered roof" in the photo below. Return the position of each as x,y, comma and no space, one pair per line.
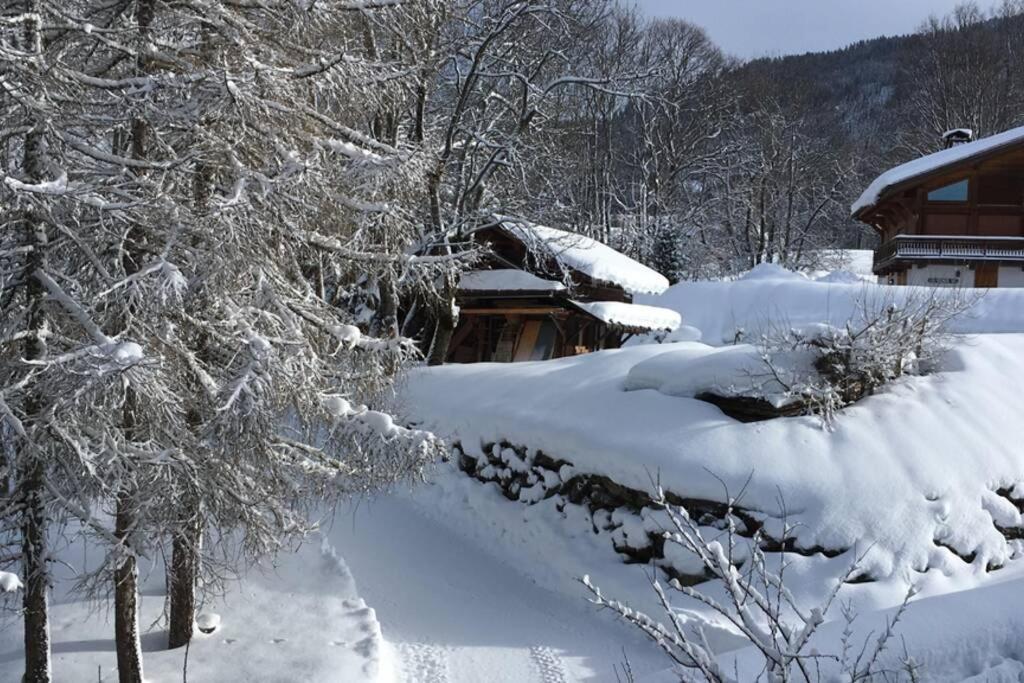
588,256
932,163
506,280
634,316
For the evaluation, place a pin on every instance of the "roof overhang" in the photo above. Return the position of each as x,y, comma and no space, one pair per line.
966,156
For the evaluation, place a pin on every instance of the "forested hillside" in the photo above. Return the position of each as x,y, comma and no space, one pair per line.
707,165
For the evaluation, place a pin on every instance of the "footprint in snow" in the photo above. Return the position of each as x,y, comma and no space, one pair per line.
424,663
549,665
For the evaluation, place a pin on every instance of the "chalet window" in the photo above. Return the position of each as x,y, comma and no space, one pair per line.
536,341
955,192
1003,189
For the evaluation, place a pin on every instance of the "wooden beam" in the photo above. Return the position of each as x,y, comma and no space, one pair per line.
514,310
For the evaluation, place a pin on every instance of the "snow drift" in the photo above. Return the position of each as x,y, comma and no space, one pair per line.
771,296
924,477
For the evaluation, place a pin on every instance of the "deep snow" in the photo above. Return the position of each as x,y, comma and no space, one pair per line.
299,618
771,296
463,585
456,613
912,480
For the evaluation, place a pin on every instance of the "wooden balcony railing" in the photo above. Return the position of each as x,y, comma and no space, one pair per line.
952,248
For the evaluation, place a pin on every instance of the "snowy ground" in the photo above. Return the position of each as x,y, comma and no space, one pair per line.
466,585
300,620
455,613
914,479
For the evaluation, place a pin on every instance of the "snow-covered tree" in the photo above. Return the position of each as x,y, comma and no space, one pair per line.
192,208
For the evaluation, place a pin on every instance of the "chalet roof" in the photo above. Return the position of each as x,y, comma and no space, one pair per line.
588,256
506,280
934,163
631,316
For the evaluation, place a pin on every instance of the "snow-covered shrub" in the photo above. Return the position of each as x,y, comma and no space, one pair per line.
760,608
827,367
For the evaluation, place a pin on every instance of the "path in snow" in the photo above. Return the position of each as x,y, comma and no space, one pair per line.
457,615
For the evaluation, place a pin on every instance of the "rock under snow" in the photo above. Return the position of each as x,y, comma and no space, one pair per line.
902,476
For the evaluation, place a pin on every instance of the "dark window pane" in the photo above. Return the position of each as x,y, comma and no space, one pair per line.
957,192
1003,189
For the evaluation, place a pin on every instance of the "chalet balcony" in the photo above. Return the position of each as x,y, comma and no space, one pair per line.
955,248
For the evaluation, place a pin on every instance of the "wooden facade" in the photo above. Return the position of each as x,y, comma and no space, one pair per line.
955,223
508,324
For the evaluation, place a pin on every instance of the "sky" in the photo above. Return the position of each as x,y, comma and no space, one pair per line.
758,28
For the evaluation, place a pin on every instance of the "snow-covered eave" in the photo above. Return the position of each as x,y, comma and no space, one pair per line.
615,269
506,282
919,170
630,317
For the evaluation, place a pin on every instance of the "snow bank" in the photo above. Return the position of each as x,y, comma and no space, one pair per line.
907,474
751,306
962,637
689,370
770,271
298,620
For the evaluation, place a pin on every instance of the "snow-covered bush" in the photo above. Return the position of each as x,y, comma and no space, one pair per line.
826,367
758,607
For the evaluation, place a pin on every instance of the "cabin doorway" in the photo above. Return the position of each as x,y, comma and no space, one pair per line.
987,275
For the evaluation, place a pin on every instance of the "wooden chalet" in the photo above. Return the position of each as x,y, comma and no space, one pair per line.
545,293
954,218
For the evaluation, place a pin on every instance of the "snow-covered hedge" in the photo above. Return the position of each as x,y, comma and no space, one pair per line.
925,476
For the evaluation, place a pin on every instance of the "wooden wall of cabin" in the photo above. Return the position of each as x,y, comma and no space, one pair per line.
512,337
993,206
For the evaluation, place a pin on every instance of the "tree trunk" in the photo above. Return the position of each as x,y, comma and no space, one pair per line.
34,549
35,599
182,577
446,319
126,599
442,339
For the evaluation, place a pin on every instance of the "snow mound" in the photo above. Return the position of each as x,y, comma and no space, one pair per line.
843,277
963,637
917,476
730,371
684,333
745,309
771,271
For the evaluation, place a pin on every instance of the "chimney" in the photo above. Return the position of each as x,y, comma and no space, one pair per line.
957,136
